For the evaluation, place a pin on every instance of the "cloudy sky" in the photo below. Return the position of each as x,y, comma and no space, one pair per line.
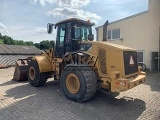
27,19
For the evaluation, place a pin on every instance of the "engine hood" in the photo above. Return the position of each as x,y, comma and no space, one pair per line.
109,45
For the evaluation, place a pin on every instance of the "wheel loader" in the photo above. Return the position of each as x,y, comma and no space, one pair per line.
81,64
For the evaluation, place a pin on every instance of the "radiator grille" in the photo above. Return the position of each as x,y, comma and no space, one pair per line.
102,61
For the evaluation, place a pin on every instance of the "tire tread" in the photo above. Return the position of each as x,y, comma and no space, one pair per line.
89,78
40,79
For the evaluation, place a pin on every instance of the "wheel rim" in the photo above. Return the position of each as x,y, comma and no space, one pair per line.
31,73
72,83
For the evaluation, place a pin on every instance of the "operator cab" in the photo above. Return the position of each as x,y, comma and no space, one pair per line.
70,33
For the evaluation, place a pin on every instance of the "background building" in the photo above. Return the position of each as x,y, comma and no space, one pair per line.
140,31
11,53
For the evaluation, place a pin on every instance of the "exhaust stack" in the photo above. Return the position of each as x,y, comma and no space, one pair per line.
105,31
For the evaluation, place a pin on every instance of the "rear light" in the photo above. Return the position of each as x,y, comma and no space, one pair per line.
123,83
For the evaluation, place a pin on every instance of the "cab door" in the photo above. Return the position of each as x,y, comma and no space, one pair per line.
60,42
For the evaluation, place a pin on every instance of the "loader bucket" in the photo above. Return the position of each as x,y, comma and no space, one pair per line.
20,73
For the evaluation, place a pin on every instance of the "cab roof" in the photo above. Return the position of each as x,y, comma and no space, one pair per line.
87,23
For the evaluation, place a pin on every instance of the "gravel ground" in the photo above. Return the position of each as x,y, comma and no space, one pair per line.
20,101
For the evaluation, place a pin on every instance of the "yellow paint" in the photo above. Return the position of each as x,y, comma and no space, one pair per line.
122,84
43,63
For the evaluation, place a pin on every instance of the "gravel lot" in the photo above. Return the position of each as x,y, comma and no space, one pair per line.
20,101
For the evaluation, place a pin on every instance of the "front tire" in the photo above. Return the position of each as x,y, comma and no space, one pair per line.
79,84
36,78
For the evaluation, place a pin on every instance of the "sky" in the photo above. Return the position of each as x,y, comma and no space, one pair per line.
27,19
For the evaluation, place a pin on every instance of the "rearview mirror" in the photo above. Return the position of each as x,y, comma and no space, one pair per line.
49,28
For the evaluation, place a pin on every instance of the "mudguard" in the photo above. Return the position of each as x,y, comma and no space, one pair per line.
44,63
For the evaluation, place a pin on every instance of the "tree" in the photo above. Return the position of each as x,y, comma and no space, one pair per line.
1,41
29,43
52,44
1,36
45,44
8,40
16,42
21,42
37,45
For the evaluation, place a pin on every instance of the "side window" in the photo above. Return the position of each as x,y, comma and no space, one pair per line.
114,34
85,33
78,34
62,35
60,41
69,35
109,34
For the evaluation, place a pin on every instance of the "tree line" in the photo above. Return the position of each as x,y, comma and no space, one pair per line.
44,44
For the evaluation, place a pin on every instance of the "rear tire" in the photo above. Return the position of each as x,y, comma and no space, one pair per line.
36,78
85,83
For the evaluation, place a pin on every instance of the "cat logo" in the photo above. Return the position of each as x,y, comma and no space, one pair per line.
131,62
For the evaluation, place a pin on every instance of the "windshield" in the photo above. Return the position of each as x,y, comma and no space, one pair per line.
82,32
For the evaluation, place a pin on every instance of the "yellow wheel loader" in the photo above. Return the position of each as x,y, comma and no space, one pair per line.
82,65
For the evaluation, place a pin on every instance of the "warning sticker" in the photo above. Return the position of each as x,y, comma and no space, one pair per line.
131,61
